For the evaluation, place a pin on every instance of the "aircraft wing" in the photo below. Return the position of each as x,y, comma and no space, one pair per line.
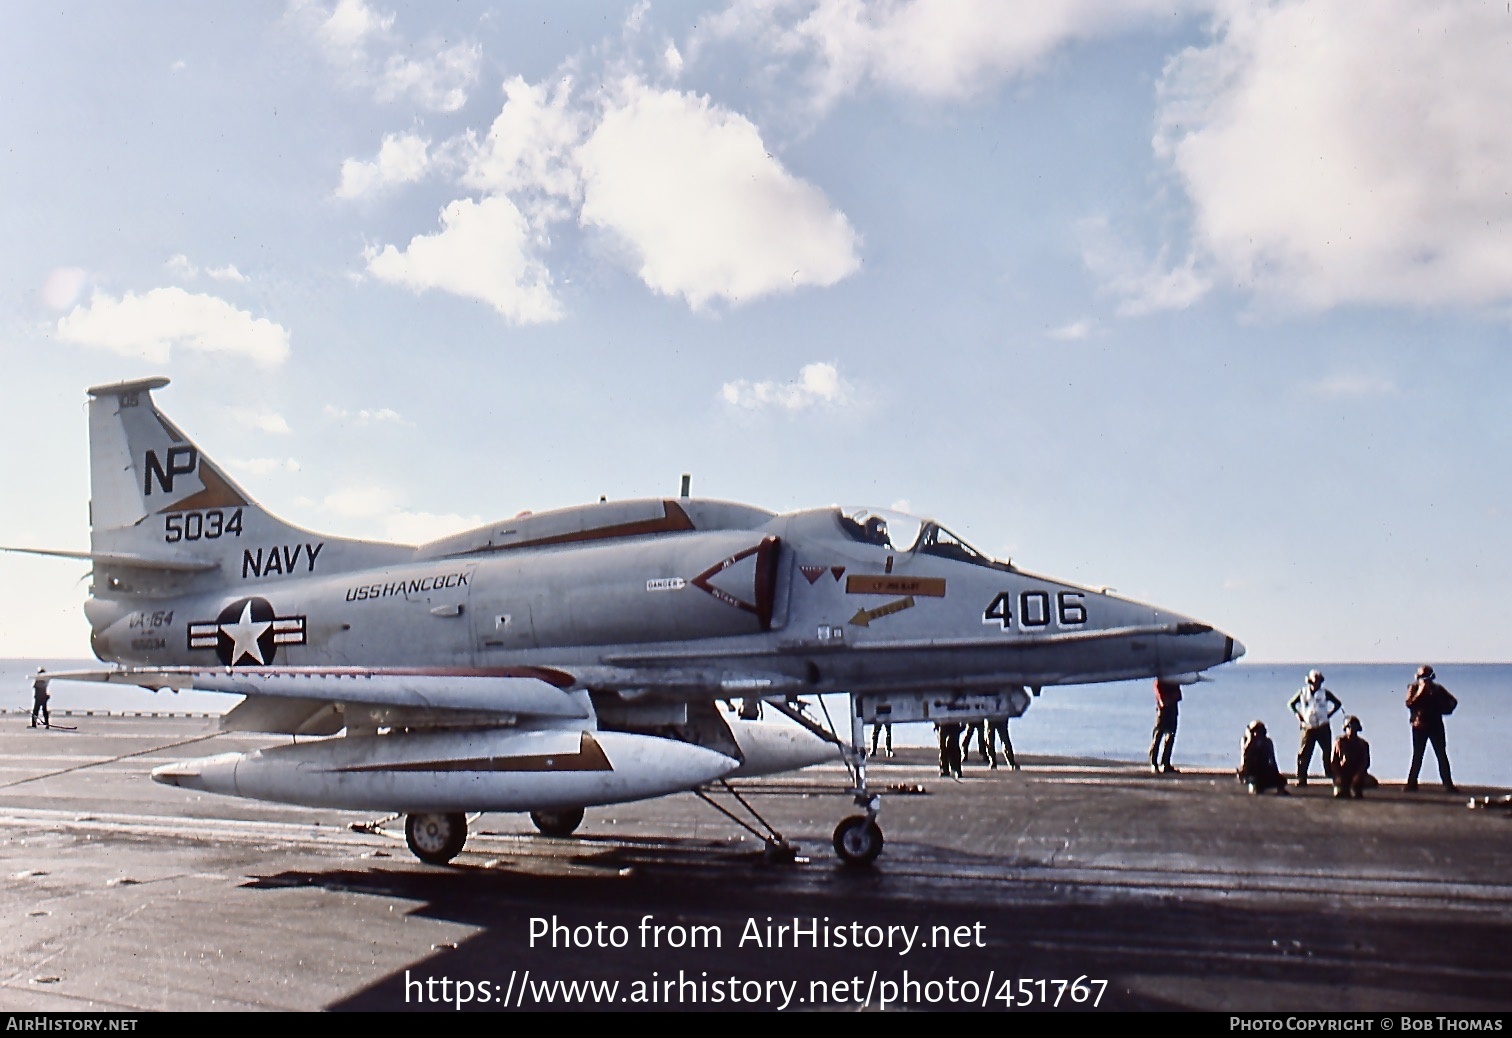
533,691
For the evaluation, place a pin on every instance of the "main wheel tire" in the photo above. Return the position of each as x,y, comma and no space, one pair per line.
558,823
435,838
858,840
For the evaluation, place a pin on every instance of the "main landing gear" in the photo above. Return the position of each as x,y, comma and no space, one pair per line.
436,838
558,823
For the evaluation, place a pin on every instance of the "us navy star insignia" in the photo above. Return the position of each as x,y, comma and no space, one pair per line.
244,635
247,632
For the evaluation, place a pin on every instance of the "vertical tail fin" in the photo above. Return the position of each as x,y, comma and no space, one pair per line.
165,520
141,464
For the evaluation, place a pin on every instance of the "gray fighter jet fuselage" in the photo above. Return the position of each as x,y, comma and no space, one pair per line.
617,620
698,596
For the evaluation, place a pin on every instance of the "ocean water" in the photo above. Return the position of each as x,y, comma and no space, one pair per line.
1110,722
1113,721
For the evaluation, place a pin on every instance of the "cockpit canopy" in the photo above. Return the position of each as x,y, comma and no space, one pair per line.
902,532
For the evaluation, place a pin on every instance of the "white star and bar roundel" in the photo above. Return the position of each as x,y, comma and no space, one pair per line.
247,633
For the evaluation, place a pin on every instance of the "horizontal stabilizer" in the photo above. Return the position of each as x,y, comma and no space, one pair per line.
105,558
56,553
175,565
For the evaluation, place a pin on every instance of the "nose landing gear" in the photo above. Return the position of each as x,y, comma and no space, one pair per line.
858,840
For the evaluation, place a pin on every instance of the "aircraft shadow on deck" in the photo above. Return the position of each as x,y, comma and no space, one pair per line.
1264,953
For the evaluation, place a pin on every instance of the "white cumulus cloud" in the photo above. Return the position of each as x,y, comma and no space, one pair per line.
362,416
271,422
685,191
1074,331
483,251
181,267
817,384
706,210
351,24
673,60
376,511
362,42
438,82
402,158
151,325
940,49
528,153
261,466
1341,153
420,527
226,273
1143,284
490,249
359,501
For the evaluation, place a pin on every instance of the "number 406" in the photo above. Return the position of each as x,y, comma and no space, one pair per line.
1034,609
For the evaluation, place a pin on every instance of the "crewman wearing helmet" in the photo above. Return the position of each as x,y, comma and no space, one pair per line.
1257,767
1351,760
1429,703
1314,706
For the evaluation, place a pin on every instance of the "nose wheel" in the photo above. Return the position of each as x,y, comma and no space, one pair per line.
435,838
858,840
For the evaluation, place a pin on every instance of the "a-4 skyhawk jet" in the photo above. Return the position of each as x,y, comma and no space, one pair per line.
570,658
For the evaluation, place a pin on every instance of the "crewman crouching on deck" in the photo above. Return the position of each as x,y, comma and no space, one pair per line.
1351,761
1257,762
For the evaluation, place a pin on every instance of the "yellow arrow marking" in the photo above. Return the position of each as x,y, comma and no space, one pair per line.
864,617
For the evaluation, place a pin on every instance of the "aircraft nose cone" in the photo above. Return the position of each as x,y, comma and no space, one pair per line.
1235,648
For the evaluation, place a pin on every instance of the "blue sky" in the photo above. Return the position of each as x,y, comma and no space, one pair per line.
1206,302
